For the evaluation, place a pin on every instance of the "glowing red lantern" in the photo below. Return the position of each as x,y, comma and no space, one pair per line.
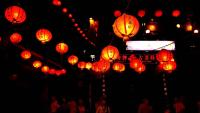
119,67
140,68
57,2
52,71
126,26
88,65
81,65
164,55
15,14
15,38
45,69
95,67
141,13
26,54
117,13
158,13
109,53
169,66
37,64
176,13
43,35
62,48
104,65
72,59
135,63
64,10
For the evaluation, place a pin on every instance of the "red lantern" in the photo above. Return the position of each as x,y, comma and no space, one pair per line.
158,13
104,65
95,67
72,59
109,53
62,48
15,14
141,13
117,13
119,67
88,65
37,64
164,55
140,68
81,65
45,69
169,66
15,38
176,13
135,63
64,10
126,26
43,35
26,54
57,2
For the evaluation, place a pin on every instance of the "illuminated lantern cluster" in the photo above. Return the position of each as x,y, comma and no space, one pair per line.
43,35
56,2
101,66
62,48
119,67
26,54
110,53
137,65
166,60
56,72
15,38
15,14
126,26
72,59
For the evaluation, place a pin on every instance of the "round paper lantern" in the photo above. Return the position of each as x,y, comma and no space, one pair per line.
81,65
164,55
109,53
135,63
62,48
141,13
176,13
169,66
45,69
15,38
88,65
158,13
37,64
72,59
140,68
15,14
26,54
117,13
43,35
126,26
104,65
95,67
119,67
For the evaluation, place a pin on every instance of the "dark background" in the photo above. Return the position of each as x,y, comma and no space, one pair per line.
26,89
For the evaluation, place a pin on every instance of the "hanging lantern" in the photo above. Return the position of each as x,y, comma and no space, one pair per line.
72,59
15,14
26,54
81,65
117,13
169,66
62,48
158,13
109,53
37,64
95,67
141,68
126,26
45,69
52,71
141,13
15,38
164,55
119,67
88,65
135,63
43,35
176,13
104,65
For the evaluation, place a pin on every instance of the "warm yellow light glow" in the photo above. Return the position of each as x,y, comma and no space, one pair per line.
91,20
178,25
188,27
37,64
